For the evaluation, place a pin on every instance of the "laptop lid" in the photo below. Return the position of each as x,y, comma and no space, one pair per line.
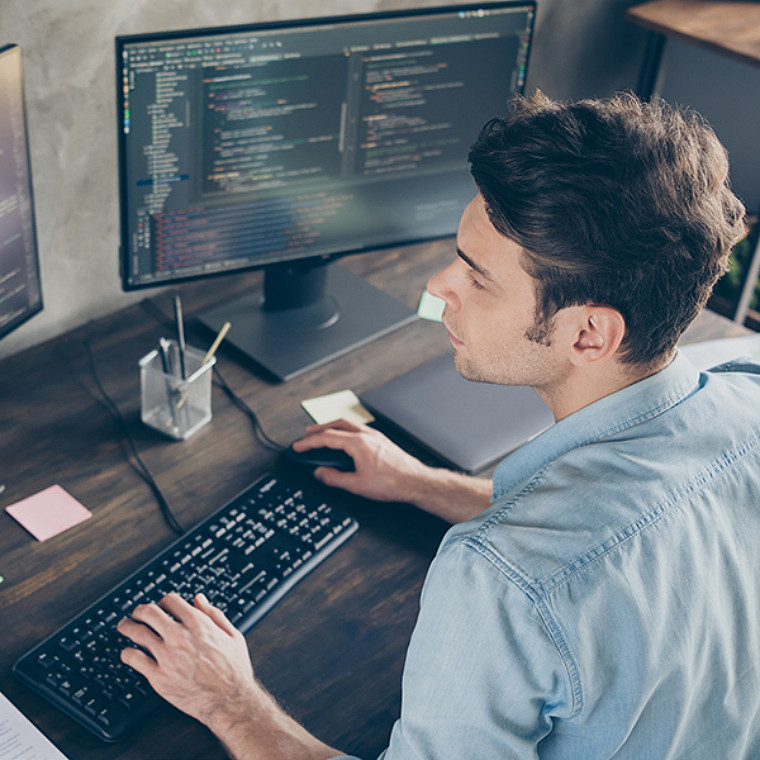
468,425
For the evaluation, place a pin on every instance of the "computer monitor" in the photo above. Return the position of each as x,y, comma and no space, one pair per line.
286,145
20,291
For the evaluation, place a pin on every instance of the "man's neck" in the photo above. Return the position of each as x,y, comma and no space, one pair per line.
583,387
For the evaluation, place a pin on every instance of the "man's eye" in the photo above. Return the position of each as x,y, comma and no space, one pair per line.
474,280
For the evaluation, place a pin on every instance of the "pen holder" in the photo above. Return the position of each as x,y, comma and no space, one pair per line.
176,407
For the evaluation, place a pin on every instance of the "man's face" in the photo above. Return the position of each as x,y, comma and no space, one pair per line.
490,308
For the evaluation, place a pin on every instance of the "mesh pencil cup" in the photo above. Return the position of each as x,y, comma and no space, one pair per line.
176,407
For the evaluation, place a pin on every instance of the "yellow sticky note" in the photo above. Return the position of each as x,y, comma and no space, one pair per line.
430,307
334,406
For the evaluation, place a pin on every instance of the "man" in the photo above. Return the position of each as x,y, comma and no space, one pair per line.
601,598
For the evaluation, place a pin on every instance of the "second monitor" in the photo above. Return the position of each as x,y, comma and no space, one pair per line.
285,145
20,289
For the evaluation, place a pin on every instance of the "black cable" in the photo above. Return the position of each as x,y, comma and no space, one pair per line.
238,402
138,464
243,407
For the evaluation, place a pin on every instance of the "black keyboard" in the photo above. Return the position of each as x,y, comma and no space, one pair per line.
244,558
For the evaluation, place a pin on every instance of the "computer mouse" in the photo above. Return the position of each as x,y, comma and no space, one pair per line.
322,457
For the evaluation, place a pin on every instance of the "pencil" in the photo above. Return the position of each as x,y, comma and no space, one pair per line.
219,338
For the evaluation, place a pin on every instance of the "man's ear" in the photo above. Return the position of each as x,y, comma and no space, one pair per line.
599,331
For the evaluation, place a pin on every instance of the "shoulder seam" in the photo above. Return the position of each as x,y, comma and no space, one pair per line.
537,598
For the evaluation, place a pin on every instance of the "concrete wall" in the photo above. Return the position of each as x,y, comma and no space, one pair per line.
582,48
727,93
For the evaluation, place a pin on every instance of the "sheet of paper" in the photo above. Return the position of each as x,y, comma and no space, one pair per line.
20,739
710,353
334,406
49,512
430,307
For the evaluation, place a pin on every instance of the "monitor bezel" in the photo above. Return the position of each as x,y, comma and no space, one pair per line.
305,260
6,329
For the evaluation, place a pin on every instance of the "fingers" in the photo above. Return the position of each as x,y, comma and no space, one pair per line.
139,633
140,661
216,615
341,424
190,653
335,478
351,437
330,438
188,614
382,470
143,636
151,624
176,606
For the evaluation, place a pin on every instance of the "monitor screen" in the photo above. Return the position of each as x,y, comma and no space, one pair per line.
20,293
301,141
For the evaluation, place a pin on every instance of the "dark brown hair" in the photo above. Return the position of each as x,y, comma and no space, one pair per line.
615,202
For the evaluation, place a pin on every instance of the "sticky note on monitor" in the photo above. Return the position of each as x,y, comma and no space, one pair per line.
48,513
430,307
334,406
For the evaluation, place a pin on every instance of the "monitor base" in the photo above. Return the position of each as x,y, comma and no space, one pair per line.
288,342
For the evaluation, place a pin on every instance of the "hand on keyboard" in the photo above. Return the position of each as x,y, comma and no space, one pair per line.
244,558
198,660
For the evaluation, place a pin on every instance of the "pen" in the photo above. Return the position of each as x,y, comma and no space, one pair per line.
180,335
171,393
219,338
163,346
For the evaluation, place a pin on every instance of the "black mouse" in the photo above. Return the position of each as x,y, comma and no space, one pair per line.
322,457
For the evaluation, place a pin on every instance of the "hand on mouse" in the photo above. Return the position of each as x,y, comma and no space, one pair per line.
383,471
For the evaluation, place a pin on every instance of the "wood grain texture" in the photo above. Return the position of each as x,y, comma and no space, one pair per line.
724,26
333,649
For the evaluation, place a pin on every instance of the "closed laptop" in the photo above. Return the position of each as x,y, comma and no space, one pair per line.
469,426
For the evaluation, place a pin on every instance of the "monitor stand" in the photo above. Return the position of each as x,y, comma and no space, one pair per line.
306,315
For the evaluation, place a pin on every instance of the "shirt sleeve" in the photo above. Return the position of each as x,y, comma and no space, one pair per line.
483,677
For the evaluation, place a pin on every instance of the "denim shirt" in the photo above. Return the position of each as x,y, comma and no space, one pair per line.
607,604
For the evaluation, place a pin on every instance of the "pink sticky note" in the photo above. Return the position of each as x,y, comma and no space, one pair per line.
48,512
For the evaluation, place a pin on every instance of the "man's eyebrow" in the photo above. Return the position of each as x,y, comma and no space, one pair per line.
479,269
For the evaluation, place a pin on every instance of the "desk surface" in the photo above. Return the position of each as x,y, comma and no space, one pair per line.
333,649
730,28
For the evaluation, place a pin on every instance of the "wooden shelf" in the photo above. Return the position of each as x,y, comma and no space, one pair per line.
728,28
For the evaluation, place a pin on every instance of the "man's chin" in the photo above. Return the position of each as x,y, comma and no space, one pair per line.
467,370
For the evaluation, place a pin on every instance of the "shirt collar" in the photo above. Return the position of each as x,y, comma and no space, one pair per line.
623,409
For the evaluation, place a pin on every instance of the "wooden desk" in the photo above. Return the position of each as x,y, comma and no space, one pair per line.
333,649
